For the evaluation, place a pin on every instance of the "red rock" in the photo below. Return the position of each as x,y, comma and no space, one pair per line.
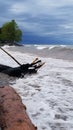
13,114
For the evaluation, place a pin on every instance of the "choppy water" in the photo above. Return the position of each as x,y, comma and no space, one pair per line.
48,95
6,80
55,51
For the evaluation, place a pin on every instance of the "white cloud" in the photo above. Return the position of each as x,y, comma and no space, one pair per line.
37,8
19,8
34,7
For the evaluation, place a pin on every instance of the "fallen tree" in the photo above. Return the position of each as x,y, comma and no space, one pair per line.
13,114
22,69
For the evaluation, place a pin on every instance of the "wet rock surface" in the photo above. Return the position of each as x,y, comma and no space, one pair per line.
13,114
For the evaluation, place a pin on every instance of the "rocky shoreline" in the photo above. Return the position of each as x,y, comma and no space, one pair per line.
13,114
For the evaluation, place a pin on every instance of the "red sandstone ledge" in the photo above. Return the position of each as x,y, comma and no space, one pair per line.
13,114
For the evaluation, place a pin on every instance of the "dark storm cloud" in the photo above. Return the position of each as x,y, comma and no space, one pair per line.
41,18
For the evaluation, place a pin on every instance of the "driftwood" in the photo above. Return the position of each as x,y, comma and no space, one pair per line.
13,114
21,70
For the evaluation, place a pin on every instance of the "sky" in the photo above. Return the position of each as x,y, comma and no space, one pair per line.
41,21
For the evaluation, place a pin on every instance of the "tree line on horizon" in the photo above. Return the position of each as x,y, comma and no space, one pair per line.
10,33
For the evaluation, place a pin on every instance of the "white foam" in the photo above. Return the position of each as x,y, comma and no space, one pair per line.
51,47
47,93
41,47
